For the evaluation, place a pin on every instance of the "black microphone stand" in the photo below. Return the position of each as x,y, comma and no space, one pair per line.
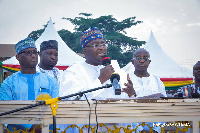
53,103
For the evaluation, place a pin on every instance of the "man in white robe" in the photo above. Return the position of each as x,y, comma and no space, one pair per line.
144,83
83,76
146,86
140,80
91,73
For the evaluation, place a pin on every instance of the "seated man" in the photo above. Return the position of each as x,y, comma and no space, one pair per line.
142,82
27,84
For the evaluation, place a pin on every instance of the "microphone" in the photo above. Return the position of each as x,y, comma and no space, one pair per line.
105,60
114,78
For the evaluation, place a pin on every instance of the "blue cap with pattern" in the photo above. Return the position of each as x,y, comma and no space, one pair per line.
24,44
89,35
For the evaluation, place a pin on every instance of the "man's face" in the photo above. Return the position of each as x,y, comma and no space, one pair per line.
28,58
141,60
196,72
49,57
94,51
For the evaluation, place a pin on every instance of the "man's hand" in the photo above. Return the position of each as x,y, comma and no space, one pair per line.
129,87
105,73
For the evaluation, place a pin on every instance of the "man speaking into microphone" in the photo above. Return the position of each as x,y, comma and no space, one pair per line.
91,73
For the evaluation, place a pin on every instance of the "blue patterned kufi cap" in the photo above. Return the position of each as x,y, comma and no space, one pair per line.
89,35
24,44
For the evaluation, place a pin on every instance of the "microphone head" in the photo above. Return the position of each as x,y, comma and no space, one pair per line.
106,60
43,97
113,76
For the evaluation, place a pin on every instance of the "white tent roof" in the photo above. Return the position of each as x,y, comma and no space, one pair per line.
12,61
66,56
161,64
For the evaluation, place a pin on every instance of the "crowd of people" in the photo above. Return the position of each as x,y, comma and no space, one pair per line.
188,91
44,78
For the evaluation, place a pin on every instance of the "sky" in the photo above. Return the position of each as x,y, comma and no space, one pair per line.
174,23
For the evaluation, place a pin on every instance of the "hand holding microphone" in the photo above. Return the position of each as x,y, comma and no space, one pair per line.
106,72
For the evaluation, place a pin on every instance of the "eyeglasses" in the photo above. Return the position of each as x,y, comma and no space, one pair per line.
98,46
29,53
138,58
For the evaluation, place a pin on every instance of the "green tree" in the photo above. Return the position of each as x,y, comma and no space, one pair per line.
36,34
120,46
71,39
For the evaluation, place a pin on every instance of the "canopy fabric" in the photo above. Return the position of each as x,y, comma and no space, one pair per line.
171,73
169,82
66,56
15,68
12,68
161,64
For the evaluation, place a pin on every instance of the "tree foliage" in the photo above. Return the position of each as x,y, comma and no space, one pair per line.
36,34
120,46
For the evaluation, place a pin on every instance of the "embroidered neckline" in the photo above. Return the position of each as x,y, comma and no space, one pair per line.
55,72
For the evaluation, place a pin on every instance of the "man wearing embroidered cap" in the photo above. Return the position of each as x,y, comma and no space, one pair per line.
27,84
91,73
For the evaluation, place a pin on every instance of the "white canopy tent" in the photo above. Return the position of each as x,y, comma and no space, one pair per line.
161,64
66,56
172,74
